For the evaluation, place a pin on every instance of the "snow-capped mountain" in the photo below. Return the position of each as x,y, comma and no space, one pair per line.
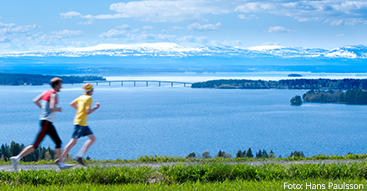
175,50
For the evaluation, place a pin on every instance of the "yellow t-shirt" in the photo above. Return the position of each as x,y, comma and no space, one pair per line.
83,102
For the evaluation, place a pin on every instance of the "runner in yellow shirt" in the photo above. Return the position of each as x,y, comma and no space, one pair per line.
83,106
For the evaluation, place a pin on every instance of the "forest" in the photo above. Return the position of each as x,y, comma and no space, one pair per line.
352,96
41,153
37,79
344,84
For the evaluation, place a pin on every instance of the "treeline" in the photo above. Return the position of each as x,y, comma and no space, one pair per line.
37,79
261,154
349,97
343,84
41,153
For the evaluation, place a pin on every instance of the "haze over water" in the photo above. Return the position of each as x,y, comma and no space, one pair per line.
141,120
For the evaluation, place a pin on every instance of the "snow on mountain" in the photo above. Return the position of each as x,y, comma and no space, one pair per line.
175,50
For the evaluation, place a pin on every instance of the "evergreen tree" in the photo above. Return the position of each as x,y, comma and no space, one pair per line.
249,153
14,149
302,155
221,154
191,155
259,154
47,156
297,154
271,154
5,151
296,100
264,154
239,154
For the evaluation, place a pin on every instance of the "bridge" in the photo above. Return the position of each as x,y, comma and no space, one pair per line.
135,81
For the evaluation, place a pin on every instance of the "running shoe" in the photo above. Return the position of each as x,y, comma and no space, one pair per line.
14,161
80,161
62,165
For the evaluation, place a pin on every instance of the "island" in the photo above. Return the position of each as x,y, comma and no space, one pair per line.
343,84
38,79
296,100
353,96
294,75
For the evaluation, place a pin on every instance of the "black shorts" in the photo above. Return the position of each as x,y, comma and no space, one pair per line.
47,129
81,131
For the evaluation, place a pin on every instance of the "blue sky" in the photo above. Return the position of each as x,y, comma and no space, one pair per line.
45,25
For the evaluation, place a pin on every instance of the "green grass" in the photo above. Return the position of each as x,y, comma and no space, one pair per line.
179,174
163,159
225,185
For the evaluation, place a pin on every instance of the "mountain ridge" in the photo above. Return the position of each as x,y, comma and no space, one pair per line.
176,50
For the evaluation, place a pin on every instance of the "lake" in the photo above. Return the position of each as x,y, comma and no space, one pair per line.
141,120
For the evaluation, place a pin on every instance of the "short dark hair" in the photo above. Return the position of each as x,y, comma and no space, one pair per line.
55,81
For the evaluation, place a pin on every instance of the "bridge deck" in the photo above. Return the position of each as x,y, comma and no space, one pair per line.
146,81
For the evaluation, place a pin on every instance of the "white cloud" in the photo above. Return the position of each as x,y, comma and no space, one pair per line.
334,22
25,37
279,29
339,34
242,16
160,11
171,11
147,27
128,34
124,26
3,25
14,29
4,39
85,23
333,12
193,39
70,14
226,43
67,33
113,33
135,36
199,27
173,29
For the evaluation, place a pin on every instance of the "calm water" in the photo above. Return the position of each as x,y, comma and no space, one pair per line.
135,121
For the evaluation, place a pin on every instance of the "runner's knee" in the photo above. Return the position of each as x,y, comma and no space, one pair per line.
74,141
93,139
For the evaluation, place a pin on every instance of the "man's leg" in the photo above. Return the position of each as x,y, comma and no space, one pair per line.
84,149
26,151
14,160
68,147
87,144
29,149
60,160
55,137
58,152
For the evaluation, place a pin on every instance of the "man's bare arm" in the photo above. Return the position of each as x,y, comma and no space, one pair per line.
37,100
53,101
73,104
89,111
